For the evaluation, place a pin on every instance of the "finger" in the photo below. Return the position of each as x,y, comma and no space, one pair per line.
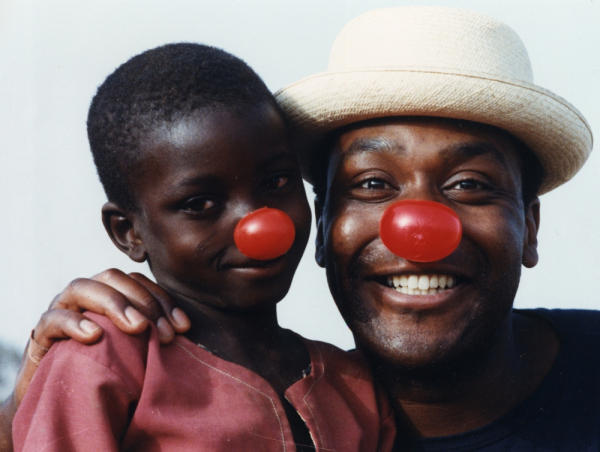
61,324
136,293
175,316
95,296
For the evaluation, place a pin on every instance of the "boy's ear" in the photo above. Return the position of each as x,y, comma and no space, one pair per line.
532,225
121,230
320,245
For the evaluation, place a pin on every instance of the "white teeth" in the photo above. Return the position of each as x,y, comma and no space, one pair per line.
433,282
442,281
421,284
413,281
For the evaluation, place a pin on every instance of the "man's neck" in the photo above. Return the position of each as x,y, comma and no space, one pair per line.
475,390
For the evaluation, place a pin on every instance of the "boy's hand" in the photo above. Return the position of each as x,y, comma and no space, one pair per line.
127,300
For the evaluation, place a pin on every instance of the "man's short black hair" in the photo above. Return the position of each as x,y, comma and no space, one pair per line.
159,86
532,172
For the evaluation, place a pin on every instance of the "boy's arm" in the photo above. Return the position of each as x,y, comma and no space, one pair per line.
112,293
81,397
7,412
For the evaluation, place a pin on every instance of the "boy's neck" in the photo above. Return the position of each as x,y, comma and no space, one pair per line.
250,338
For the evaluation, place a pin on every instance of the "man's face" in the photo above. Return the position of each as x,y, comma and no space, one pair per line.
471,168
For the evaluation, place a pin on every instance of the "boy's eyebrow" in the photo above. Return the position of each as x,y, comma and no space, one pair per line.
282,156
214,180
206,179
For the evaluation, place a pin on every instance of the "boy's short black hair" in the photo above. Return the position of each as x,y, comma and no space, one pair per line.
532,171
159,86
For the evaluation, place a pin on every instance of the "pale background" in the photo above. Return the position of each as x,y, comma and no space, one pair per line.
53,55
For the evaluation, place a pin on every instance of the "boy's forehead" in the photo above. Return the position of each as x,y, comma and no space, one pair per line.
206,139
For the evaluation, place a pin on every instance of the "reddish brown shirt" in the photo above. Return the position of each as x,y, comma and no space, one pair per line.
130,393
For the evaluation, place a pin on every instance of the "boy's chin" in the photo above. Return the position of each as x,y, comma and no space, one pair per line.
243,296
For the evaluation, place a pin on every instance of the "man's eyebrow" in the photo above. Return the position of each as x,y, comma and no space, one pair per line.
467,150
362,145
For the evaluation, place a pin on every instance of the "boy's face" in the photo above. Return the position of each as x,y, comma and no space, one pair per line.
200,176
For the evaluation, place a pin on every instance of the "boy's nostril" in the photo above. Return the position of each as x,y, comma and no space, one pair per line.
419,230
264,234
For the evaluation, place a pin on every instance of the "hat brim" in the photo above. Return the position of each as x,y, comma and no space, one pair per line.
555,131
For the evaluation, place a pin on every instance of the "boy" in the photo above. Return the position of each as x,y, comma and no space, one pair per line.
187,140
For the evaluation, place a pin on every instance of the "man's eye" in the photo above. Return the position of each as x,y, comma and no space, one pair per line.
277,181
469,184
374,184
199,205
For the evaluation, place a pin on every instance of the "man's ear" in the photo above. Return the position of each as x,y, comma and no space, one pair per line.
319,242
121,230
532,225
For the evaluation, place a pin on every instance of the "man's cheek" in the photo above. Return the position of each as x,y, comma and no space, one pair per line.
351,231
501,234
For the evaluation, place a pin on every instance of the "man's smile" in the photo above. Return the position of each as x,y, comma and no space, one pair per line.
420,284
420,288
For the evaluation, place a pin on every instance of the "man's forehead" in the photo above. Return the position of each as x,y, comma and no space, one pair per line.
454,138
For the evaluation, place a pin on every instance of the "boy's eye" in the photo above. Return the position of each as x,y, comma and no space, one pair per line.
199,205
277,181
375,184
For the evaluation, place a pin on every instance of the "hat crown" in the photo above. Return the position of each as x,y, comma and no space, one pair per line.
431,38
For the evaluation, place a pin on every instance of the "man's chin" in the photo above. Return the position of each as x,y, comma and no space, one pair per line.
410,348
422,349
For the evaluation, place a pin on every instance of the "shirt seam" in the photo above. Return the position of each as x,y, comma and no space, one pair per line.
308,392
283,442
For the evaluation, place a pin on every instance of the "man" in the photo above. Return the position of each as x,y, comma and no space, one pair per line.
395,107
438,104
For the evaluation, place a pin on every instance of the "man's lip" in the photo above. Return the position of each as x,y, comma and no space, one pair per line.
391,297
415,269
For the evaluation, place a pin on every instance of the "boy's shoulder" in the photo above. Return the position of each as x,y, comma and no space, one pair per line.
338,362
117,353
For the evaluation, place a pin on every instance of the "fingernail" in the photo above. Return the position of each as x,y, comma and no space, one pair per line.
180,318
88,327
133,316
165,332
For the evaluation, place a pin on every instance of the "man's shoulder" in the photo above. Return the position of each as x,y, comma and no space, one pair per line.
570,322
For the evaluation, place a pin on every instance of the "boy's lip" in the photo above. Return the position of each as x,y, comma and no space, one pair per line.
255,268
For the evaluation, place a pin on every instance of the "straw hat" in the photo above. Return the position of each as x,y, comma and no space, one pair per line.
444,62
